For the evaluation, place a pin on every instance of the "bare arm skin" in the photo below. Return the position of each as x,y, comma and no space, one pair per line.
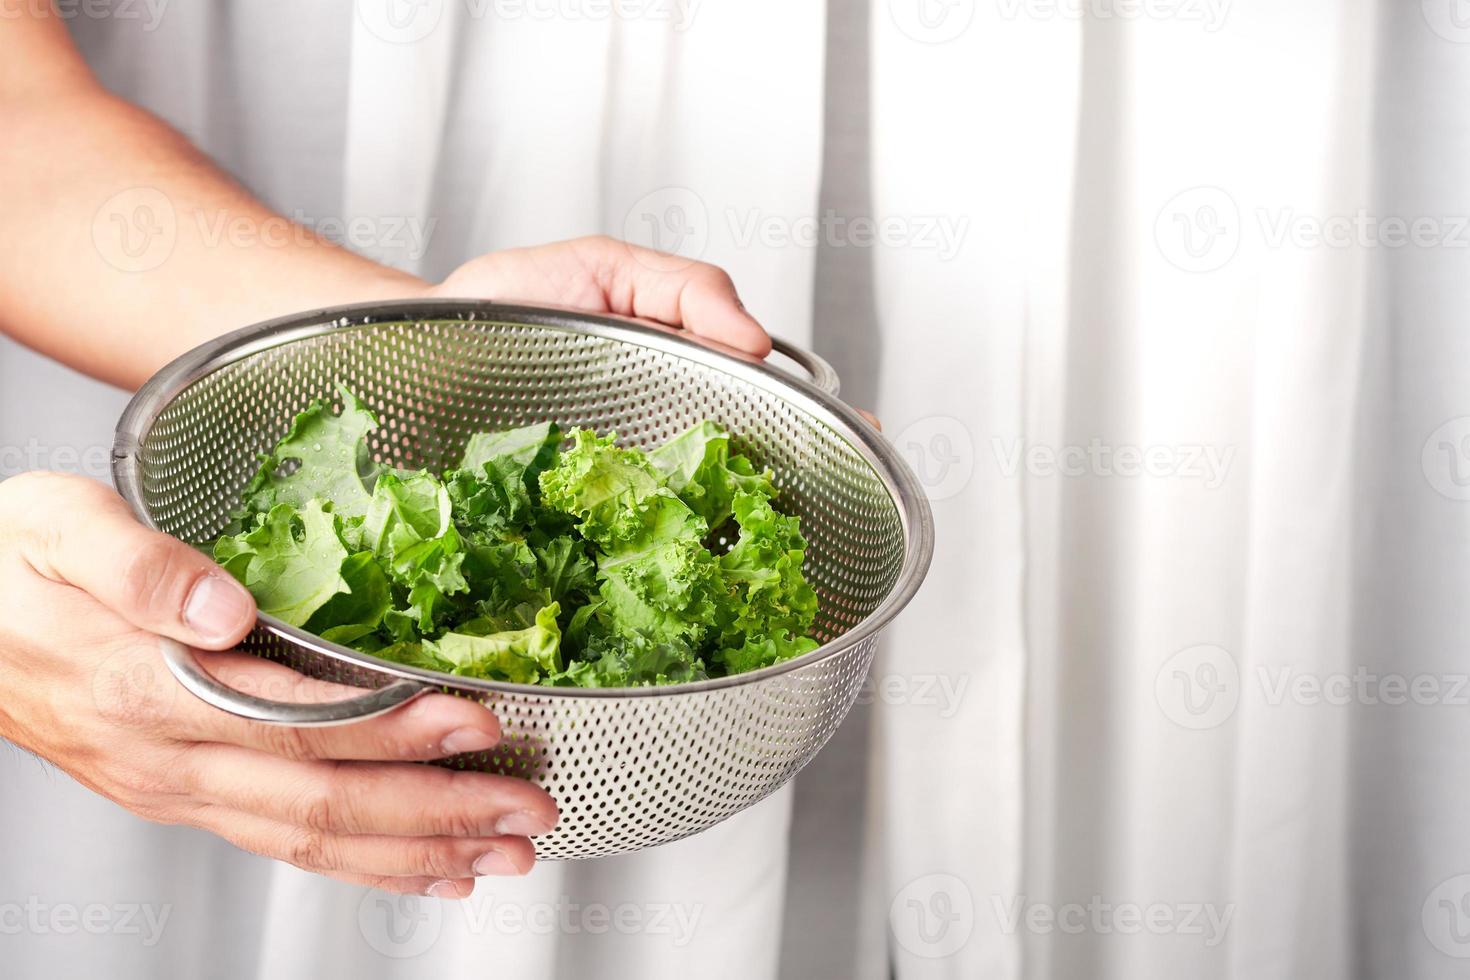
86,592
77,164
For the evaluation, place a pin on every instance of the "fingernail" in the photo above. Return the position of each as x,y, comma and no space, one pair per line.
495,863
444,889
466,740
216,609
522,823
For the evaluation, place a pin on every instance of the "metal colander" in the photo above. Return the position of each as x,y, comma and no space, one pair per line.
629,768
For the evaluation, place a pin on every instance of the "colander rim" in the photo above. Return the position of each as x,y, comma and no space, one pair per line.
899,480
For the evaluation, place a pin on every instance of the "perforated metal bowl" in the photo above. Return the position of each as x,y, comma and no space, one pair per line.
629,768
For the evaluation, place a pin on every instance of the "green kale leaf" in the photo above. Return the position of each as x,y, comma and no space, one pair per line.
331,457
291,561
697,465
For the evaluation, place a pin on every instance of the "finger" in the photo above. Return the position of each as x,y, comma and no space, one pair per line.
433,726
78,532
396,799
872,419
428,859
455,890
697,296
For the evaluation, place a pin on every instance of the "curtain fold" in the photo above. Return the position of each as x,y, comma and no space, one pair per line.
1138,308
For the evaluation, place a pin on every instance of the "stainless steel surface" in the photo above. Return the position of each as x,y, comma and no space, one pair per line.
629,768
196,680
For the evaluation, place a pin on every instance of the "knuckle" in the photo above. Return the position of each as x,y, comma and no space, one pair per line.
147,809
309,849
293,744
150,782
167,813
180,775
152,573
34,485
451,809
714,276
135,777
319,808
132,692
435,860
458,823
26,494
609,255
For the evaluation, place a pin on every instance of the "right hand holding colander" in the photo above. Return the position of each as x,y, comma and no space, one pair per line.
86,597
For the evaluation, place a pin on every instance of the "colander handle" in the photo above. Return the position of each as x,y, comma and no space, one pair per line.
182,663
822,374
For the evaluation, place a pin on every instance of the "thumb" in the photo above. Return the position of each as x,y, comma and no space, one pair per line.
78,532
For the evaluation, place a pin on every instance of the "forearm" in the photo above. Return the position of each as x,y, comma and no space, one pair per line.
121,245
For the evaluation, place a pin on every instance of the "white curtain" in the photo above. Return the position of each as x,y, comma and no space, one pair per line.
1217,718
1166,313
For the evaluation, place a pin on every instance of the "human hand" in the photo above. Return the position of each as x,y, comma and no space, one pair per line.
85,593
604,275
